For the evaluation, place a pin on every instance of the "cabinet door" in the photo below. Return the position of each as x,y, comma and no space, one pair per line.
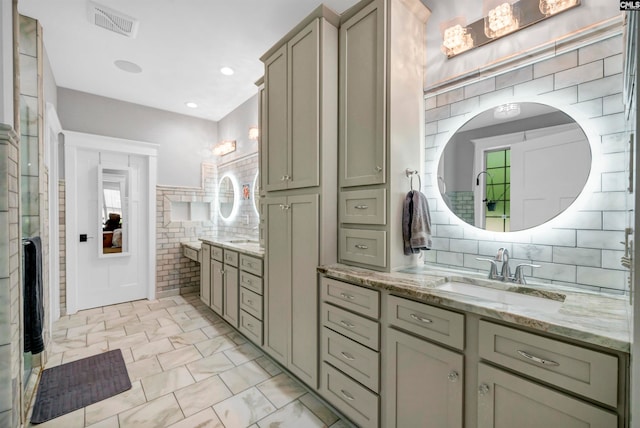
507,401
217,283
205,274
275,145
424,384
362,98
303,106
304,239
230,295
277,286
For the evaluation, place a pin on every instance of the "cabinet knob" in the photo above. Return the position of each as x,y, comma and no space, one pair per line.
453,376
483,389
378,168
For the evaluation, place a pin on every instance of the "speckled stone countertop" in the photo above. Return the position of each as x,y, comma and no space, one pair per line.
243,245
597,319
193,245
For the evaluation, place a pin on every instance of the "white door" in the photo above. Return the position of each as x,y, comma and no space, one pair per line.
100,273
547,174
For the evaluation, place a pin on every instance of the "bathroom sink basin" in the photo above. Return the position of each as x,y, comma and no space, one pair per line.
522,299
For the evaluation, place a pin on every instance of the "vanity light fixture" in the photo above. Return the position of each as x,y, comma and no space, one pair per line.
506,111
551,7
254,133
224,147
456,36
500,19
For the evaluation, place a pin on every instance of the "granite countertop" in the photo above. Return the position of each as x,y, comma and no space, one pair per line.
598,319
249,246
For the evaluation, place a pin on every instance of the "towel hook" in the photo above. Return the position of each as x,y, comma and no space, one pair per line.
410,173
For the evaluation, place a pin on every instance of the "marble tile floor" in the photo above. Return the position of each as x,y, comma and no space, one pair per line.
188,369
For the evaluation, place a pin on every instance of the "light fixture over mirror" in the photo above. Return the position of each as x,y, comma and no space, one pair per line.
499,19
482,176
224,147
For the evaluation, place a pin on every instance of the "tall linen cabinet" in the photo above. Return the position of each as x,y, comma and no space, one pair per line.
298,174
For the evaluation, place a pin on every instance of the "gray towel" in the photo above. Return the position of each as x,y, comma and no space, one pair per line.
416,223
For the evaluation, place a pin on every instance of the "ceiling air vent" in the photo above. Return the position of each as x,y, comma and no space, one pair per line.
112,20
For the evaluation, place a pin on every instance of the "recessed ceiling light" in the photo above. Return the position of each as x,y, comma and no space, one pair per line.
227,71
191,104
128,66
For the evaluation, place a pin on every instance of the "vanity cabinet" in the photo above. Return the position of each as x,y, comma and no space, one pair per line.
424,381
251,305
217,280
350,349
230,293
381,117
205,274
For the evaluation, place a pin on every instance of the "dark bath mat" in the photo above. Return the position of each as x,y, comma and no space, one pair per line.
77,384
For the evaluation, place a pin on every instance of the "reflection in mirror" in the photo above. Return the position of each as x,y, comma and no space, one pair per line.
114,187
514,167
227,195
256,193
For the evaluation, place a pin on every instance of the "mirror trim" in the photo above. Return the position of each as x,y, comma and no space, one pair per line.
454,126
236,197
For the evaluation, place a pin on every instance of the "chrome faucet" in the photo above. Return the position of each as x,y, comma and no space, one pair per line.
505,270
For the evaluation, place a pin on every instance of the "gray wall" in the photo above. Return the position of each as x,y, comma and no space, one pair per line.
183,140
235,126
6,63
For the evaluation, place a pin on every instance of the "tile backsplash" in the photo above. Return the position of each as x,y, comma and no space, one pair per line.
581,247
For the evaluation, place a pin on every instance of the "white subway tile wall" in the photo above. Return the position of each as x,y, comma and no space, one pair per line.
581,248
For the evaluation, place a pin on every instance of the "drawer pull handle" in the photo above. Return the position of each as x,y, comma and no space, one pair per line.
347,356
538,359
419,318
347,296
347,324
361,207
346,395
362,247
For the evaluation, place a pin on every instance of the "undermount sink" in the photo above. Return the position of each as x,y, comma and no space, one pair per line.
541,302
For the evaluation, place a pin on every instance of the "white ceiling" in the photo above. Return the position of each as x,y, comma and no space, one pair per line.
181,46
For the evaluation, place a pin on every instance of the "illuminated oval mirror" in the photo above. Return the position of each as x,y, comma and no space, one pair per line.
514,167
256,193
227,195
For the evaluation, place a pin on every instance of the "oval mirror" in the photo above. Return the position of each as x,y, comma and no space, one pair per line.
227,195
256,193
514,167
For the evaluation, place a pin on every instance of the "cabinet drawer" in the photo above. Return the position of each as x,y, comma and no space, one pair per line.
251,327
351,398
364,246
231,258
251,302
508,400
216,254
251,264
355,327
352,297
363,206
357,361
190,253
583,371
252,282
433,323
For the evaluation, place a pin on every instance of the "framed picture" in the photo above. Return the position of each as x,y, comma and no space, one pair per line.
246,191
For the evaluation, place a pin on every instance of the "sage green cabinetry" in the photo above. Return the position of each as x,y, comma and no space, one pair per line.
217,280
231,289
381,118
299,161
205,274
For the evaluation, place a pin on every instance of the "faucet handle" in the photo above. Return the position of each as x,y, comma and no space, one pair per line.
493,269
518,276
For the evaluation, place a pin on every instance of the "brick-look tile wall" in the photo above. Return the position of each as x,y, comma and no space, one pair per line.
62,246
10,284
583,248
174,272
